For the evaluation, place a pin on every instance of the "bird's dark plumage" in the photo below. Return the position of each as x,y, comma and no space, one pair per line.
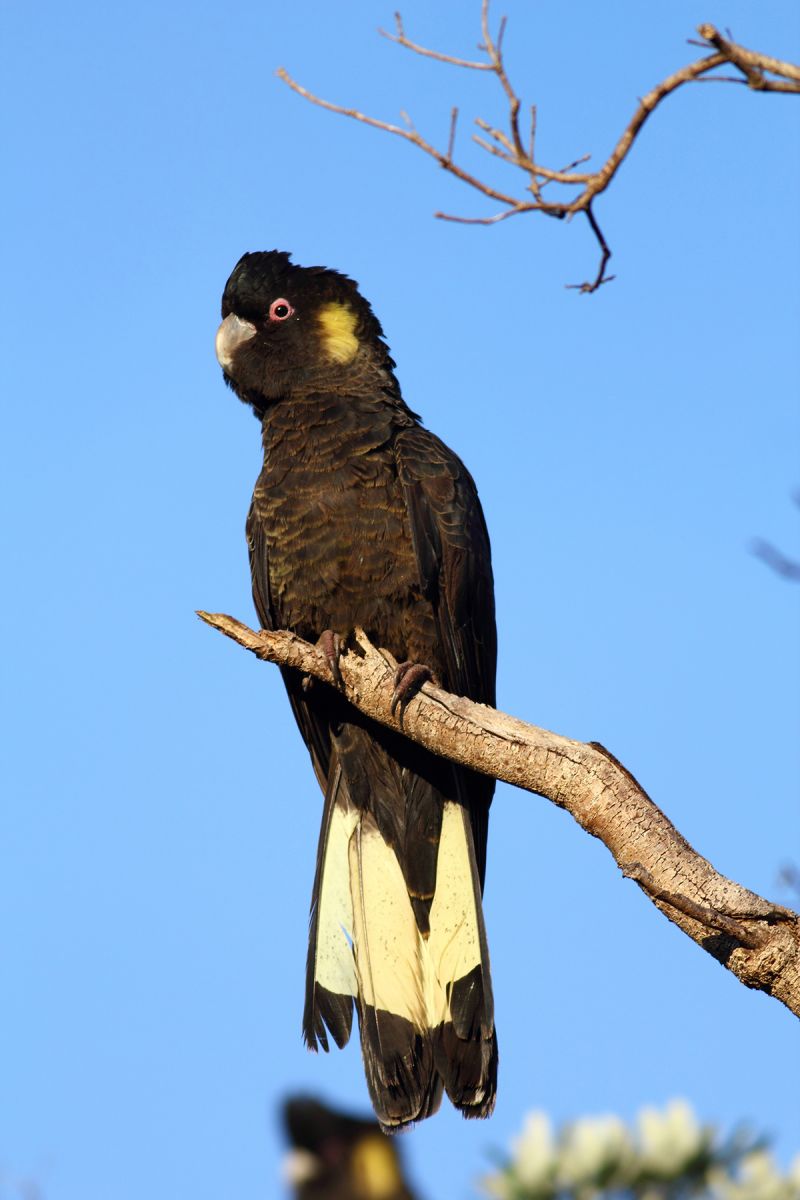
361,517
337,1156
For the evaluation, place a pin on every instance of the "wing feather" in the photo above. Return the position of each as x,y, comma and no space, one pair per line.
451,543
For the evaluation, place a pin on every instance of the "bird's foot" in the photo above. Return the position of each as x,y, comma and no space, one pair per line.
408,679
332,647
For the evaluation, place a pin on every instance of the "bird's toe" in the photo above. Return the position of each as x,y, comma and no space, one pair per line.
408,679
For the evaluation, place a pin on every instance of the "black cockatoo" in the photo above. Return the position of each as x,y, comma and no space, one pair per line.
361,517
338,1156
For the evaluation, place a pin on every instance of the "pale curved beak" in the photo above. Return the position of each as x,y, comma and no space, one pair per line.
232,333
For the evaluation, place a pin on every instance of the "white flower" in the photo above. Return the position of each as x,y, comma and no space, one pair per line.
534,1153
759,1179
794,1173
669,1141
498,1186
592,1148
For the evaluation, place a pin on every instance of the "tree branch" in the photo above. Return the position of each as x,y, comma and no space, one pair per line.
761,72
753,65
757,940
780,563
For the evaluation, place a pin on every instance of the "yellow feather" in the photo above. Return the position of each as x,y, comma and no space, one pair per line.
388,946
338,323
454,941
334,967
374,1169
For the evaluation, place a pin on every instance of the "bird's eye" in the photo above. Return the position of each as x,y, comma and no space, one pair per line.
280,309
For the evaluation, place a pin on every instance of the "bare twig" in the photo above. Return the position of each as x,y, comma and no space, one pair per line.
495,53
605,255
756,940
753,65
722,79
451,145
789,877
779,562
501,216
758,71
400,38
409,134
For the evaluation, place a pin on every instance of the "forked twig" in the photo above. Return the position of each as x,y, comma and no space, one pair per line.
605,255
410,134
400,38
780,563
760,72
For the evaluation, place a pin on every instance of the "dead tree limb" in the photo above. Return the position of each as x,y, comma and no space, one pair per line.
760,72
757,940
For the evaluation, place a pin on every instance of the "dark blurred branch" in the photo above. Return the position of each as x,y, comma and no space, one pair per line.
779,562
761,72
789,877
756,940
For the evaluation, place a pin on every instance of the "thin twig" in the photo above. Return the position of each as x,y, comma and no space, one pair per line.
495,53
400,38
410,135
776,560
451,145
495,150
758,71
721,79
498,136
501,216
568,168
605,254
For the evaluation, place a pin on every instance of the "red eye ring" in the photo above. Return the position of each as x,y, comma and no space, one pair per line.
280,310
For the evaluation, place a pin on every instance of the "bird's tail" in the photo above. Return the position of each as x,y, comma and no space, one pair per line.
421,985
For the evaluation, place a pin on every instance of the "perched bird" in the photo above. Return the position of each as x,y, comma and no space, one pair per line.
361,517
336,1156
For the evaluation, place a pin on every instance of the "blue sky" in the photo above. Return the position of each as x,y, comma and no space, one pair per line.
160,817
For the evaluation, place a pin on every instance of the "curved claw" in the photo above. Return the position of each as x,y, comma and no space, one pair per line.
408,679
331,646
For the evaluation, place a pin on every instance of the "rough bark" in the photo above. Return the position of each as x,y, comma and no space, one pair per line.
757,940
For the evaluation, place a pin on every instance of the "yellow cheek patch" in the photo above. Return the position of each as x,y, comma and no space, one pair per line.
338,324
374,1169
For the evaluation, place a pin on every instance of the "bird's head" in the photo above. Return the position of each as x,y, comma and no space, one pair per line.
289,330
